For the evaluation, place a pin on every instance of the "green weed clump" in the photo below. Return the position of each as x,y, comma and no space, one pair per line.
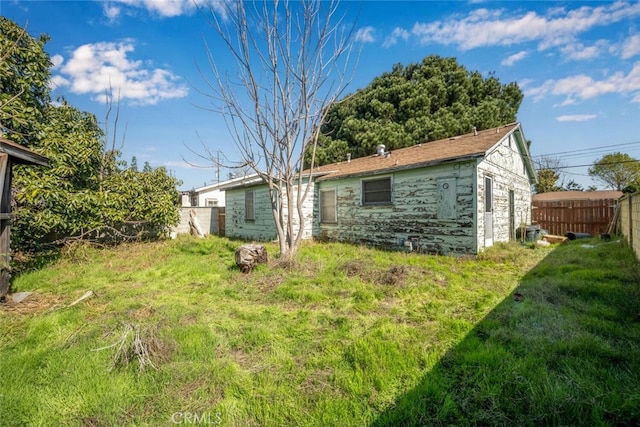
344,335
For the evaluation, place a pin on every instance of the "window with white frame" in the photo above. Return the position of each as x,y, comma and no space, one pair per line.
249,211
211,202
328,205
376,191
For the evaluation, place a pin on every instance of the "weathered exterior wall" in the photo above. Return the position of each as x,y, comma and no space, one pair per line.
506,169
262,227
207,217
307,212
413,215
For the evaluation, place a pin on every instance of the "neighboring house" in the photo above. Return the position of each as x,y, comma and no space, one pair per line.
207,204
248,210
590,212
208,196
453,196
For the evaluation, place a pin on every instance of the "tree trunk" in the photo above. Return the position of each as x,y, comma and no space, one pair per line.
194,224
248,256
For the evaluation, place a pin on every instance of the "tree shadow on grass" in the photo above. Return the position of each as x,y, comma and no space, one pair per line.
26,262
563,349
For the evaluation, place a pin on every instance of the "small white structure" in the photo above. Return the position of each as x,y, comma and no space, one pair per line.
209,196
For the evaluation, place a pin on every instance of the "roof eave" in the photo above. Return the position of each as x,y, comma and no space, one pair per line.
524,151
522,143
22,155
405,167
243,184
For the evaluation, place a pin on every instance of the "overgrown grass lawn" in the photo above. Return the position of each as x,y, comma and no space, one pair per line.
175,334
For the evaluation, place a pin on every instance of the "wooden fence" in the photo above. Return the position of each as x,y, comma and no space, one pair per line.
629,220
579,216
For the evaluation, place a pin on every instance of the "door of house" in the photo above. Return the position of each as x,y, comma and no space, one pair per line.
488,211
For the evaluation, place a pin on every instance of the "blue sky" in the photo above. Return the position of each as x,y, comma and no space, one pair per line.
578,64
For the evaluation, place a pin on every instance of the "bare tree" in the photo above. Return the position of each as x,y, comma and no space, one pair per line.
291,62
550,175
110,154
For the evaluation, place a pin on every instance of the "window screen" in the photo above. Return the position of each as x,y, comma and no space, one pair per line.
328,212
376,191
249,214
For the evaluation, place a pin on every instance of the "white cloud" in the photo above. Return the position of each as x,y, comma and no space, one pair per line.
56,60
576,118
580,52
164,8
524,83
111,11
365,35
512,59
56,82
631,47
397,34
96,68
173,8
484,27
585,87
566,102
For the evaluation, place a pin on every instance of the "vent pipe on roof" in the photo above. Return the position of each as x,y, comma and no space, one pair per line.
380,149
475,131
348,157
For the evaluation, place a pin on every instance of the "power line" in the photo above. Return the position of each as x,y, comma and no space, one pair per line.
585,150
605,163
562,156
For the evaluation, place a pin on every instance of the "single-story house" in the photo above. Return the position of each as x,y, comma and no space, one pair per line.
453,196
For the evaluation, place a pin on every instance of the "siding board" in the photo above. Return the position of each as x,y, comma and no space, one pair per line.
414,213
263,227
